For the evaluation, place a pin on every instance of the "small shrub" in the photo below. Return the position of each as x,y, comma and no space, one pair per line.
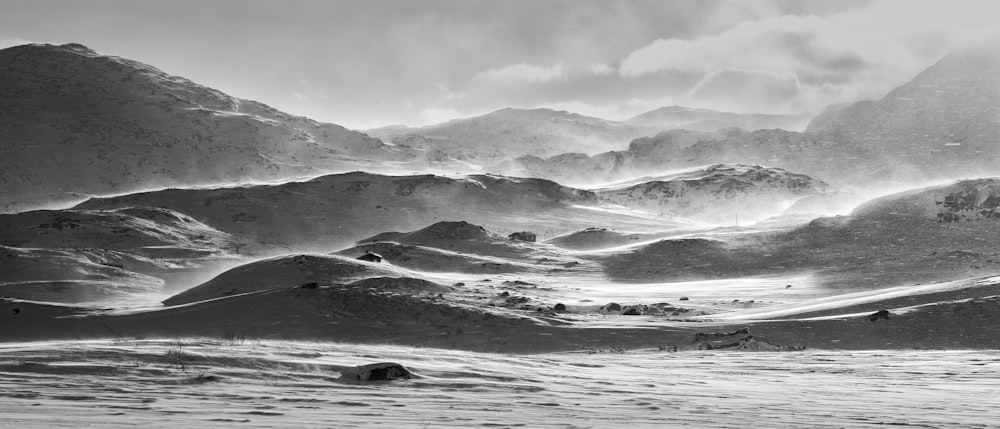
233,338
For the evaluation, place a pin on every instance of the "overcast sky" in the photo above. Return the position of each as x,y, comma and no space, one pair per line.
369,63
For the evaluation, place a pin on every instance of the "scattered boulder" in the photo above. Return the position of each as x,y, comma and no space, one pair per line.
737,340
715,340
385,371
507,300
881,314
612,306
523,236
370,257
684,298
634,310
559,307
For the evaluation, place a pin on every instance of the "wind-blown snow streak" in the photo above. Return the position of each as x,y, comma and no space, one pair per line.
849,299
191,383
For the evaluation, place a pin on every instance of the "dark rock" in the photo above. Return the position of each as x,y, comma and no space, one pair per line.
634,310
559,307
310,285
881,314
738,340
684,298
206,378
523,236
613,306
385,371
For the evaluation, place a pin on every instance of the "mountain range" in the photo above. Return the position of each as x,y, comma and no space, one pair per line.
941,125
236,214
111,125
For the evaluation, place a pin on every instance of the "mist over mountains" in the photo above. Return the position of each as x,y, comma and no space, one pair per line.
941,125
205,201
112,125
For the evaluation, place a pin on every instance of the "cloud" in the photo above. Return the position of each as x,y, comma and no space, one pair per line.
521,72
432,115
732,89
601,69
813,60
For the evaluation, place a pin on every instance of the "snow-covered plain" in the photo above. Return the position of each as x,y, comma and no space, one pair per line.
201,382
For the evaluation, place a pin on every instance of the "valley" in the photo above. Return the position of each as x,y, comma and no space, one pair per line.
165,245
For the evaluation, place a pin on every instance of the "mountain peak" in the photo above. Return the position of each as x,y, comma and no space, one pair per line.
949,102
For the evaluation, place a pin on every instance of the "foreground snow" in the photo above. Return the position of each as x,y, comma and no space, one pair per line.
197,383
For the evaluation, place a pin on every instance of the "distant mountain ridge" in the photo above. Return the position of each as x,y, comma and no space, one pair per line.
337,210
944,124
510,133
74,121
679,117
947,117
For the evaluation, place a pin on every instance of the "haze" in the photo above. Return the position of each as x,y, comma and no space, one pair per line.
469,214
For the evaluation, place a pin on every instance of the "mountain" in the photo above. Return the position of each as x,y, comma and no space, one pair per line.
942,125
678,117
510,133
337,210
953,101
944,119
74,123
718,193
933,234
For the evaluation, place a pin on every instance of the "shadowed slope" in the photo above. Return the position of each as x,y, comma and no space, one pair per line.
932,234
282,272
337,210
76,122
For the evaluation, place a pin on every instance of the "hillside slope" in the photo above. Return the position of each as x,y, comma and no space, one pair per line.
335,211
942,125
75,122
939,233
718,194
510,133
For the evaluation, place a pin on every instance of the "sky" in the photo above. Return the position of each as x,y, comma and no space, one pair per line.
365,64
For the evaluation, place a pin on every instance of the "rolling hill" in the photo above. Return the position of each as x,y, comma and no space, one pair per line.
335,211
